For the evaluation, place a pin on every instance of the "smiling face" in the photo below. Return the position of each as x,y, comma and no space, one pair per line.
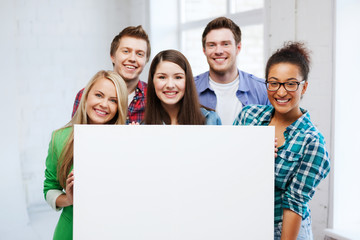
169,83
130,58
221,51
286,103
101,103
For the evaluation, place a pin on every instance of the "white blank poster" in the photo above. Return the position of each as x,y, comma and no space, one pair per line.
173,182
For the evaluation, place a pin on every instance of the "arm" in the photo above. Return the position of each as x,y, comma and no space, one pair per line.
291,225
52,188
313,167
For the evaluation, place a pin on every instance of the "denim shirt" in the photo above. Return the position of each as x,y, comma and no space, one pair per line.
212,118
252,90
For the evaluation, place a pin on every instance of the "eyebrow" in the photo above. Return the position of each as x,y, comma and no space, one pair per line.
289,79
104,94
160,73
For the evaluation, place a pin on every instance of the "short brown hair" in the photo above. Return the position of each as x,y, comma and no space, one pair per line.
131,31
222,22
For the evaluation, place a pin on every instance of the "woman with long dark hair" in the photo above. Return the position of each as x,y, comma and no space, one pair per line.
171,95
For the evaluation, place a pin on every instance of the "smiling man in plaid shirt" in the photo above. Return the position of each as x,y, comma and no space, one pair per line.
129,52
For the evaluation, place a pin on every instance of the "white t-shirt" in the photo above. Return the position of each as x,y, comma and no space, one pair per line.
131,97
228,106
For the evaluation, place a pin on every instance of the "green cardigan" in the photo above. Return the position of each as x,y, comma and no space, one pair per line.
64,227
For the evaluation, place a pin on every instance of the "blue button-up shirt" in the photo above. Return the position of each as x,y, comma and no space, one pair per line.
252,90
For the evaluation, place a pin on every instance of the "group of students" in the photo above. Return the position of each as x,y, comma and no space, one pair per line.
223,95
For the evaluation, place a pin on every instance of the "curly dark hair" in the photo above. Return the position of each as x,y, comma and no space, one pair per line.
292,52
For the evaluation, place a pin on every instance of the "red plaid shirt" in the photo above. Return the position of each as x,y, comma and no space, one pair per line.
136,109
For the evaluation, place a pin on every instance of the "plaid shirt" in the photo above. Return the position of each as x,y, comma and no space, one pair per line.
136,109
301,164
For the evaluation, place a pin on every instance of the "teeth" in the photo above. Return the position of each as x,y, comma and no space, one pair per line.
219,59
170,93
130,67
100,112
282,101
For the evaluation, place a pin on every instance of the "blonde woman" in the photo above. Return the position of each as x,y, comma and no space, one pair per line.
104,102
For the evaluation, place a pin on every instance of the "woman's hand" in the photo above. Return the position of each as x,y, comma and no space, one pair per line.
66,199
134,123
276,149
70,187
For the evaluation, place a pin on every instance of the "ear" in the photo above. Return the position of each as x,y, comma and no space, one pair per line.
112,59
304,88
238,48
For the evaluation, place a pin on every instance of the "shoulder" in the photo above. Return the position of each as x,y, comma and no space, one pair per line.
212,118
256,110
201,77
311,132
61,135
252,79
142,85
254,115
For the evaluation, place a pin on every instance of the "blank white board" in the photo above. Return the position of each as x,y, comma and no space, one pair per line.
173,182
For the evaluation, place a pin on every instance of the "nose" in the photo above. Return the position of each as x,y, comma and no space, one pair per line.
104,103
281,91
132,56
219,50
170,83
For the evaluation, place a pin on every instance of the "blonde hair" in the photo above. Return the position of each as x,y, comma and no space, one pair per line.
66,157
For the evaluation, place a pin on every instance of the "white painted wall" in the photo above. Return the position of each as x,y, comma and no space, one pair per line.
313,23
50,50
346,151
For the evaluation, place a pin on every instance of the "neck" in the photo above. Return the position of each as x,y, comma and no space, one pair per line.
288,118
131,85
173,112
225,77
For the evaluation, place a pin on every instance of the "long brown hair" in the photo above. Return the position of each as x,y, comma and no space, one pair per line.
189,112
66,157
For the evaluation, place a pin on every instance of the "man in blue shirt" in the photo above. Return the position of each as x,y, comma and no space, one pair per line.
225,88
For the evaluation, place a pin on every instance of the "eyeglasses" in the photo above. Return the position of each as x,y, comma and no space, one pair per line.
289,86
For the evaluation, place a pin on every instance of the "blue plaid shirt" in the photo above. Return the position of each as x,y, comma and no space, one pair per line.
301,164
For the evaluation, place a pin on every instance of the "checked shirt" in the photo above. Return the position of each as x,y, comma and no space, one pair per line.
136,109
301,164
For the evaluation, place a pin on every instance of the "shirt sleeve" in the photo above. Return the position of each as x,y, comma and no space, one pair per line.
314,166
51,181
77,102
51,197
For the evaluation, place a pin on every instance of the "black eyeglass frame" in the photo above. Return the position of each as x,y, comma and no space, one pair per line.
283,84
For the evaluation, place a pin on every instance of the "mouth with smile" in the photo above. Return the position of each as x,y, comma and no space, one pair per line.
220,59
100,113
130,67
170,94
282,101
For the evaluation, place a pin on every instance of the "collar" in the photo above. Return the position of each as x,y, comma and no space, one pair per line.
141,87
243,82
